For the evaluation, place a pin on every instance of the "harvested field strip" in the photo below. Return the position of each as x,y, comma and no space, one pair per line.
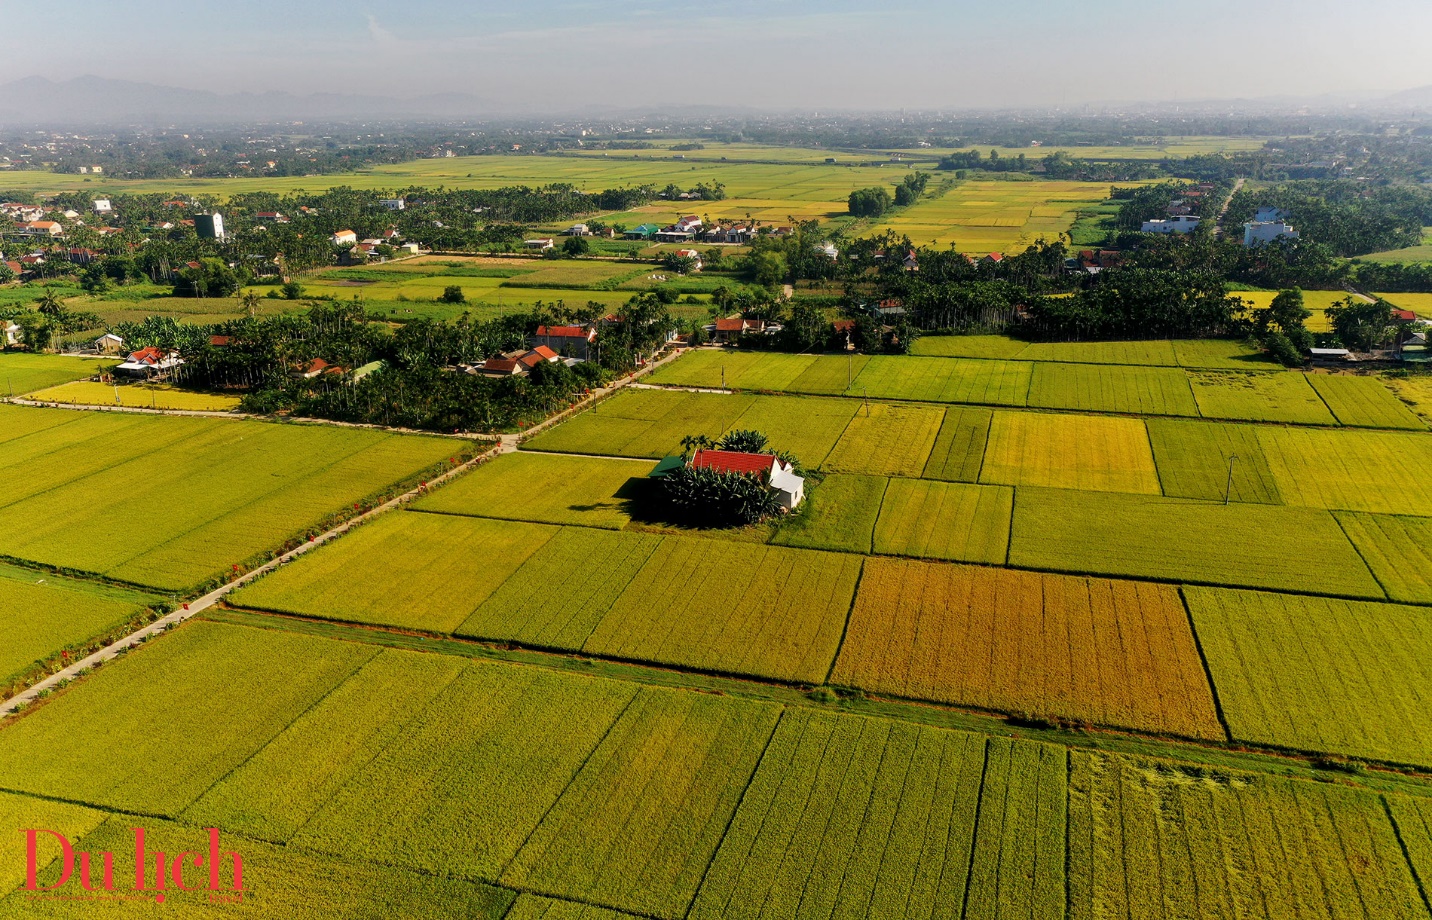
808,428
945,380
1317,674
239,688
1364,402
281,787
1194,461
735,608
1086,649
641,820
887,441
945,520
1151,839
1154,353
1397,549
545,488
561,593
1378,471
472,774
959,448
848,816
1096,388
41,614
405,569
838,514
1106,533
1070,452
1259,397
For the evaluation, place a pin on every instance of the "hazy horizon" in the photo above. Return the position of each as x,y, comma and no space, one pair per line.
777,54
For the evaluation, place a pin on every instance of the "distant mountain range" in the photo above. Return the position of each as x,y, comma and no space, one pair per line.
93,99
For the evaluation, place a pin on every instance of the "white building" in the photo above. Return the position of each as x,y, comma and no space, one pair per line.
1260,233
541,245
102,206
343,237
1181,224
394,204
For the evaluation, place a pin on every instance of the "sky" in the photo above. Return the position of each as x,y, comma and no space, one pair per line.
562,55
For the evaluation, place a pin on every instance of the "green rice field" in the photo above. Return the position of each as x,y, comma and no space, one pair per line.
23,373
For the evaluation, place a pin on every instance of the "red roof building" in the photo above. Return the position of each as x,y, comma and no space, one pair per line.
730,461
220,341
1403,316
150,355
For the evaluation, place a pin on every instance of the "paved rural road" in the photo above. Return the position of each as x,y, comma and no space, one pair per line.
506,444
1218,227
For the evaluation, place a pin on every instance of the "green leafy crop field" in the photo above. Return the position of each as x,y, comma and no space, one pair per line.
959,449
838,514
1110,652
171,502
1157,352
1319,674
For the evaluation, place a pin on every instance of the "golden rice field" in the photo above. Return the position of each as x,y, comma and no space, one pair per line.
990,216
158,396
1070,452
887,440
1086,649
944,520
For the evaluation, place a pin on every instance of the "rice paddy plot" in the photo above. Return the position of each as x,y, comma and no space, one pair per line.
18,812
551,488
1285,396
1315,301
1419,303
1151,353
274,793
1318,674
1413,818
1196,460
959,449
1113,653
712,367
733,608
643,423
944,380
536,907
211,493
838,514
236,688
277,882
465,782
90,393
1414,392
22,373
1111,388
560,594
829,376
944,520
849,816
805,427
641,820
42,615
1397,549
984,216
1364,402
1378,471
1070,452
1255,546
967,346
885,440
1153,839
405,569
1221,354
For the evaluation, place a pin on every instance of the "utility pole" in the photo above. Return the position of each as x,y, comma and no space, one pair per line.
848,361
1228,489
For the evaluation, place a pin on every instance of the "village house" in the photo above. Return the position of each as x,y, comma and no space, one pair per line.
42,228
150,362
779,475
516,363
577,230
539,245
1261,233
102,206
394,204
642,232
728,330
343,237
11,333
1180,224
571,341
108,344
273,217
690,254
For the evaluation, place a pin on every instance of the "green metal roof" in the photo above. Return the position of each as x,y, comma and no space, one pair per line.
665,466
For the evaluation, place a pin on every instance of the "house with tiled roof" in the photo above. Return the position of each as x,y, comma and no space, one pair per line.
572,341
779,475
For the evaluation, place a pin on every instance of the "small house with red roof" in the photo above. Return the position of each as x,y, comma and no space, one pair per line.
728,329
150,361
572,341
779,475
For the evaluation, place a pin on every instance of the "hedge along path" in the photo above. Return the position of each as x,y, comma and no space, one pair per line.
545,488
838,513
1175,539
409,570
1153,839
142,635
732,608
472,774
1258,397
1319,674
1115,653
1364,402
945,380
959,448
1397,549
274,793
1194,460
641,820
1112,388
1070,452
850,816
885,440
945,520
1378,471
